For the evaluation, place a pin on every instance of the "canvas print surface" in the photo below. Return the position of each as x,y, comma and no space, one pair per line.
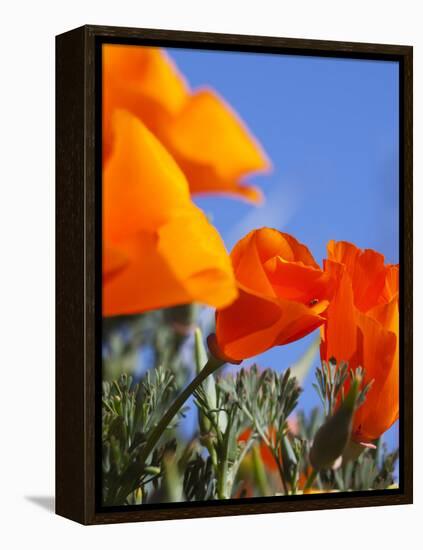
250,262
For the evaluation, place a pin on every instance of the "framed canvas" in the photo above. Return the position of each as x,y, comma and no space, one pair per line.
234,274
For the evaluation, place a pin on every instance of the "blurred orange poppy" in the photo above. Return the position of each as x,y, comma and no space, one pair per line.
283,295
206,138
159,248
362,328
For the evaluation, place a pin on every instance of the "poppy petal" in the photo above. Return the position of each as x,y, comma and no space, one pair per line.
142,184
146,283
114,260
195,252
253,252
295,281
248,266
391,284
366,269
174,254
377,358
247,327
143,80
340,331
254,324
213,147
208,140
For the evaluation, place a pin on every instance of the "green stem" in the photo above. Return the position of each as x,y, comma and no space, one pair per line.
222,478
211,366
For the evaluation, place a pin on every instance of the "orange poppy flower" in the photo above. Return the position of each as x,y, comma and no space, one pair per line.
362,328
159,248
207,139
283,295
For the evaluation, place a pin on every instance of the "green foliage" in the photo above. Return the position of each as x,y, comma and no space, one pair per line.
266,398
221,421
373,469
262,402
200,481
130,413
239,415
359,467
331,383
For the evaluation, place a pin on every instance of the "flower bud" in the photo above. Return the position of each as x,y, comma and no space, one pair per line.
334,434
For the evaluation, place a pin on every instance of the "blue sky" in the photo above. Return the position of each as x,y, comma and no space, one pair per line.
330,127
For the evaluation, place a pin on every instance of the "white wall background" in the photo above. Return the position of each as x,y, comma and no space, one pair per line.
27,270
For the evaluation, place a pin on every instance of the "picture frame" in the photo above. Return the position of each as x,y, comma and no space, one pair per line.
78,273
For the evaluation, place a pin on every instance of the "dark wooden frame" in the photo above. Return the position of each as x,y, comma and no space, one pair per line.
77,257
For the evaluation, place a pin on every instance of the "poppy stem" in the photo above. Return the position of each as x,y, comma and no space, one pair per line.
211,366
